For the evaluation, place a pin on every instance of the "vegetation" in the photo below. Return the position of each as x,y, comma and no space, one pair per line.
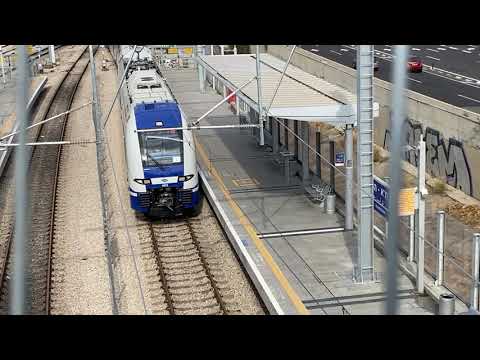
438,186
377,155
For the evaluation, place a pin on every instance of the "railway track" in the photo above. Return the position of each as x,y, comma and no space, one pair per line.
185,269
43,173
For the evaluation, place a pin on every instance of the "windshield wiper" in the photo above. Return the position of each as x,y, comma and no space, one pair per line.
155,161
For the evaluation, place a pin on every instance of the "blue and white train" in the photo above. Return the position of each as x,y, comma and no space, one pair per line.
162,168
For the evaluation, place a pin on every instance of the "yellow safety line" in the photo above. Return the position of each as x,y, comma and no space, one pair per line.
297,302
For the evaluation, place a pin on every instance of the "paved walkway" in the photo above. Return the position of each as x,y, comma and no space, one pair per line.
319,268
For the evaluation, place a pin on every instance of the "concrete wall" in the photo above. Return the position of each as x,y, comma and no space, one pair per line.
452,133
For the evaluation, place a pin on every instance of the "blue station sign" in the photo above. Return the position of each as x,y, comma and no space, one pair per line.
380,194
340,159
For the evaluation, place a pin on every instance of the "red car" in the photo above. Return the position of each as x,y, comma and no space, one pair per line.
415,64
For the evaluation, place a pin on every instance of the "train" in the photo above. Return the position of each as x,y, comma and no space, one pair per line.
160,152
143,53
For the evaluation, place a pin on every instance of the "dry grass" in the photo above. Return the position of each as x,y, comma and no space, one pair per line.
377,155
438,186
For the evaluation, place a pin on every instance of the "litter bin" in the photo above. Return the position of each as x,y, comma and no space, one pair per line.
330,204
446,304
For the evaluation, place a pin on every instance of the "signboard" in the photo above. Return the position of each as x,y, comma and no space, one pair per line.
340,159
188,51
172,50
380,196
406,202
406,198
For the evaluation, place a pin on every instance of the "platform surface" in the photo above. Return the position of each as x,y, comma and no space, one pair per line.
316,270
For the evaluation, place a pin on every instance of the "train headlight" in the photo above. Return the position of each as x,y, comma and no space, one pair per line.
143,181
185,178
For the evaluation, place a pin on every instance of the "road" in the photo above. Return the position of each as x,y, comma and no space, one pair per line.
454,77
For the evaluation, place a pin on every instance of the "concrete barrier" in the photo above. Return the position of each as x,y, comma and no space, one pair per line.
452,133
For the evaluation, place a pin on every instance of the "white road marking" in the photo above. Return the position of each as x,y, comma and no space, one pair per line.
443,49
466,97
438,72
418,81
453,48
432,50
434,58
316,50
343,49
470,48
335,52
465,51
458,77
387,49
416,49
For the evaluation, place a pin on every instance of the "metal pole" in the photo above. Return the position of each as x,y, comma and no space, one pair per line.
281,77
275,137
365,129
222,49
51,50
2,61
441,241
332,161
411,247
475,270
200,70
237,105
398,116
259,97
96,115
348,177
305,167
119,86
286,134
421,193
319,150
21,294
211,49
234,49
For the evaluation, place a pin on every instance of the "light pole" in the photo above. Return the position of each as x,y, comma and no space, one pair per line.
2,61
259,97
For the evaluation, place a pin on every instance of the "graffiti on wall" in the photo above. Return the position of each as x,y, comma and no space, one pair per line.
445,159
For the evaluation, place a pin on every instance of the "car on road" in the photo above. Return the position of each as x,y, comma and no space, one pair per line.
415,64
375,64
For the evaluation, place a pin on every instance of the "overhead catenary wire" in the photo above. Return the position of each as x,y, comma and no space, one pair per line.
124,217
46,120
118,88
281,77
332,165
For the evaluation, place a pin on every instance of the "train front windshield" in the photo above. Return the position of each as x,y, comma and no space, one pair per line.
161,148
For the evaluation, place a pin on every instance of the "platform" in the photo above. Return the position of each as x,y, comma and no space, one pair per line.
300,274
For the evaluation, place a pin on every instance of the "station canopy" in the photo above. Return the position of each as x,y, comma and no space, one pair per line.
301,96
